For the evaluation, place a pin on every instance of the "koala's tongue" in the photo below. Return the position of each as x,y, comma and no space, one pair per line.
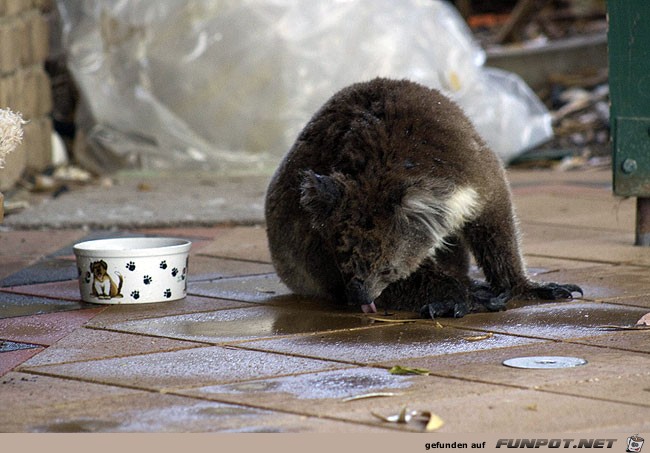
369,308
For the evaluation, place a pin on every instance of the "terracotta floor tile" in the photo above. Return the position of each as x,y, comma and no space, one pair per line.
185,368
36,243
13,305
563,209
259,288
89,344
553,321
394,343
463,405
601,178
11,359
45,270
324,393
589,246
190,304
99,408
68,290
10,265
248,323
45,329
244,243
636,341
642,301
210,268
596,379
191,233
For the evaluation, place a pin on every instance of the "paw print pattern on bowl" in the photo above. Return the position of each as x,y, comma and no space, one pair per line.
143,269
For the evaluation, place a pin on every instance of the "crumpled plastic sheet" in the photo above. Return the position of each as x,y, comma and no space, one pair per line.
228,84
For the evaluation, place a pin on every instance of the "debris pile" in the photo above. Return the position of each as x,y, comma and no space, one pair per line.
578,101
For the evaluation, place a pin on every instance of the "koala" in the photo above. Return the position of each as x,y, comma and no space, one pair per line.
382,198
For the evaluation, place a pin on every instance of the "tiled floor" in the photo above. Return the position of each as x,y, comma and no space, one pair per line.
242,354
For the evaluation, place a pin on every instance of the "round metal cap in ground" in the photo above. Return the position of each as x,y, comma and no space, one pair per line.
544,362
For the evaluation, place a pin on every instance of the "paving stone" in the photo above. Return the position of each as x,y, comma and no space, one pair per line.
190,304
394,343
257,288
89,344
597,379
247,243
324,393
36,243
84,407
44,329
185,368
11,359
42,271
242,324
624,340
203,268
562,209
556,321
12,305
641,301
463,405
68,290
584,245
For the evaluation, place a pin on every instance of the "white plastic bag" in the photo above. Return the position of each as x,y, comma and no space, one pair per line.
228,84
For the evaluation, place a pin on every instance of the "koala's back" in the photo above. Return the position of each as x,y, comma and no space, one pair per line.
383,134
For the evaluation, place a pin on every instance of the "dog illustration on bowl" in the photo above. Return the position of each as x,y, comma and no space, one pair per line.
103,285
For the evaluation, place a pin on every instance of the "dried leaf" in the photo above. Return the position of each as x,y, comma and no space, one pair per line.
644,321
403,417
397,369
479,337
614,327
438,325
370,395
531,407
434,422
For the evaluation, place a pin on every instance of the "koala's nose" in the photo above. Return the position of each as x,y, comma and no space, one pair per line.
357,293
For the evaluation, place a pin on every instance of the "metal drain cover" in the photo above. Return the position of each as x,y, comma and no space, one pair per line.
544,362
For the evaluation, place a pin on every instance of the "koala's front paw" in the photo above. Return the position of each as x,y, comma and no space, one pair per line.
445,309
551,291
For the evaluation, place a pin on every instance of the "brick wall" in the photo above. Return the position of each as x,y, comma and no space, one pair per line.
24,84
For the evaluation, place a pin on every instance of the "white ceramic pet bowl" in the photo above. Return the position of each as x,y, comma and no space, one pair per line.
132,270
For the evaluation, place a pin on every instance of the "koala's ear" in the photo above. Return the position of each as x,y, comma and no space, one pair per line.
319,195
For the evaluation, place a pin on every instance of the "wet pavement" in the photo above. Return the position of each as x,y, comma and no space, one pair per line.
240,353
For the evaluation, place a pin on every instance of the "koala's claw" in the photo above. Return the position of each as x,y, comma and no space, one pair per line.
444,309
554,291
499,302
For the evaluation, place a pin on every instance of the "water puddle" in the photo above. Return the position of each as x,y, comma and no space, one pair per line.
242,324
336,384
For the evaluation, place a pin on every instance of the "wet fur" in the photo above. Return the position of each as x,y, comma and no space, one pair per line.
382,198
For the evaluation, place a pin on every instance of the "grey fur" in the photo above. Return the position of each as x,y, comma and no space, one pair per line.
385,193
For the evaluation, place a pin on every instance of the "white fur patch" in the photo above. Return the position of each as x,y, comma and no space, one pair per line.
442,216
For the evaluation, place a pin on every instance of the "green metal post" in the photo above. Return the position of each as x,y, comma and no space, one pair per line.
629,81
